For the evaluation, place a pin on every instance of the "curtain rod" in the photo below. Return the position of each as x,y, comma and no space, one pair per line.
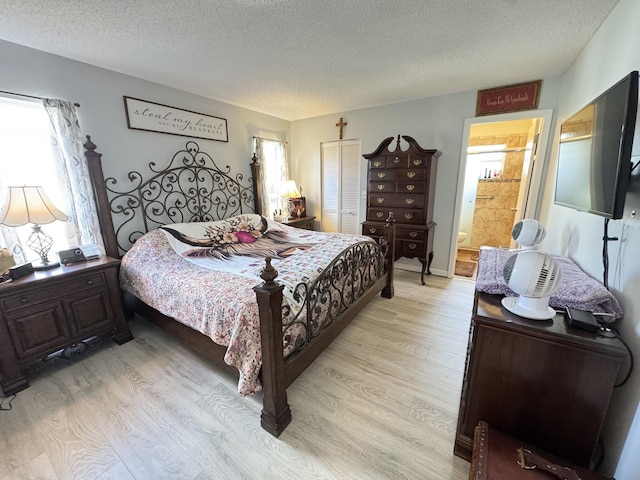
28,96
270,139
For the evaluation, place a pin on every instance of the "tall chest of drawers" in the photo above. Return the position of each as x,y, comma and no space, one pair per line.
402,182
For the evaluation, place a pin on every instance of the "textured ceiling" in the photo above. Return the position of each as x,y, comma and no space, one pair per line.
302,58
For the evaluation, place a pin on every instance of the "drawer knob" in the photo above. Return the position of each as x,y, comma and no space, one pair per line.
380,199
409,201
413,234
89,282
379,214
396,160
380,186
411,187
382,175
408,216
24,300
412,246
372,230
411,174
377,164
417,162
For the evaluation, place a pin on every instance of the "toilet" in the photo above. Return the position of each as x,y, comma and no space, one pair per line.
462,236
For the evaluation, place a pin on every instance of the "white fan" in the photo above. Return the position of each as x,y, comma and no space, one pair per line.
528,233
534,276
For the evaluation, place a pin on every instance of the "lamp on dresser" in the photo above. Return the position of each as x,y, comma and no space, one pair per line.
32,205
291,193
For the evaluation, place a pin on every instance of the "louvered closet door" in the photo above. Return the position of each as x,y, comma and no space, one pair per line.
341,186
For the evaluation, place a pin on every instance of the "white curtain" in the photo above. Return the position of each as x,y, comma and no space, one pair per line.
272,156
264,201
73,173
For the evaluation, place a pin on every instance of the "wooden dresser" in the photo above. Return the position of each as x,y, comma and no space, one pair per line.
541,381
57,313
305,223
402,182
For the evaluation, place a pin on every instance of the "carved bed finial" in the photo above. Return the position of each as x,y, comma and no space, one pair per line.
269,273
89,145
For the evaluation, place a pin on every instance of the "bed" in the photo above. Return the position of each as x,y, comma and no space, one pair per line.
291,294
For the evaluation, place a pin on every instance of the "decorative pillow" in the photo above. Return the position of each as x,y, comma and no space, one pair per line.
241,229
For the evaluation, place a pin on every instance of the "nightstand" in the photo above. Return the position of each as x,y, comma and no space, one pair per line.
55,314
540,381
305,223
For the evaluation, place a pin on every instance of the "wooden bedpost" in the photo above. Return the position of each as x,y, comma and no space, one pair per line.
276,414
256,172
390,237
94,163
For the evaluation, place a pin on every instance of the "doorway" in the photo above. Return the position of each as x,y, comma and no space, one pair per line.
499,181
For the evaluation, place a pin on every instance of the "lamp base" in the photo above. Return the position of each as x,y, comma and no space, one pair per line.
44,266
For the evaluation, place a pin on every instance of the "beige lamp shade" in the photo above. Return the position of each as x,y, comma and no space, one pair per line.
289,189
29,205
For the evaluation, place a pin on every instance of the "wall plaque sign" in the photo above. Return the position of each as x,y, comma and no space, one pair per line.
510,98
155,117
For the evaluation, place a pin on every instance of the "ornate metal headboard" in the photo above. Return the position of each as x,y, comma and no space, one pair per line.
191,188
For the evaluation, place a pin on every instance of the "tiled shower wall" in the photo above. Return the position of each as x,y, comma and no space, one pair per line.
492,217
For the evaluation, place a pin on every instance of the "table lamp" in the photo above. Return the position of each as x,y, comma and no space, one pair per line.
32,205
291,192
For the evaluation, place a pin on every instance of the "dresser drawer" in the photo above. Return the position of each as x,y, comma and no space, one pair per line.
411,234
402,215
410,248
410,187
372,230
52,292
404,161
406,200
399,175
381,187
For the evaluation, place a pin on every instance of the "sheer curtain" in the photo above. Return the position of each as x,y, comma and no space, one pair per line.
272,155
264,201
73,173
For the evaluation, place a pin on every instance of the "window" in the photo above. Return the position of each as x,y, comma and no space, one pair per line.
26,159
274,168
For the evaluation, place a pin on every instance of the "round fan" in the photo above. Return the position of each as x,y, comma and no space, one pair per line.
534,276
528,233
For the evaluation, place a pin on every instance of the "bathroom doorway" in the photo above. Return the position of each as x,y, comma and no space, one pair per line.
499,181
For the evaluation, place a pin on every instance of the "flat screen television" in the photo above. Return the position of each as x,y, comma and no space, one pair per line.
594,155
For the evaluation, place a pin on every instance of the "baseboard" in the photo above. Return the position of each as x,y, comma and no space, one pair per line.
417,267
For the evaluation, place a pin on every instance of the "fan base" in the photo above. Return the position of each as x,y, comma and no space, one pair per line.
541,312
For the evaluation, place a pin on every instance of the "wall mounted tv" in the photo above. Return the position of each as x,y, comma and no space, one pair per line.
594,155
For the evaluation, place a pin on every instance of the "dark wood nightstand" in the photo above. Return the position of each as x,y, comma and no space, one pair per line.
57,313
541,381
305,223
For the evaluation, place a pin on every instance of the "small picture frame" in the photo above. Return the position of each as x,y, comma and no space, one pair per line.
299,207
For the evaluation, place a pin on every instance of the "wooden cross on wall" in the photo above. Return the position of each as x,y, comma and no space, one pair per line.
341,124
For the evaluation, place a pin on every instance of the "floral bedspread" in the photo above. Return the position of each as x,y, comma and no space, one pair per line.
215,295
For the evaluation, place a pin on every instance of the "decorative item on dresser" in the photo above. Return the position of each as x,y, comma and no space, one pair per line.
403,183
57,313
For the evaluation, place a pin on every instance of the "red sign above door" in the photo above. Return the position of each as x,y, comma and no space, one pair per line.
510,98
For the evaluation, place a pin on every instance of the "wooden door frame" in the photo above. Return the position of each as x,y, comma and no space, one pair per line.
537,174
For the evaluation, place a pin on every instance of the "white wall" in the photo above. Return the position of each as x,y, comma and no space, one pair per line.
102,113
435,122
610,55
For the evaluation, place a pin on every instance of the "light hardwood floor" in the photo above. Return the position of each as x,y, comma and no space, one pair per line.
380,403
